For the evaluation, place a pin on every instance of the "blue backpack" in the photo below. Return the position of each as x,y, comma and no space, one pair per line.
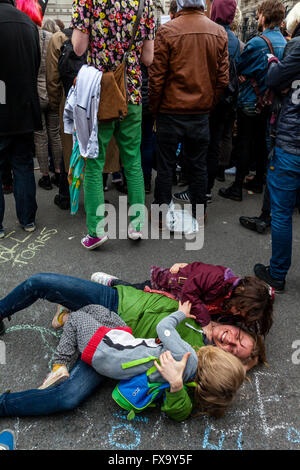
137,393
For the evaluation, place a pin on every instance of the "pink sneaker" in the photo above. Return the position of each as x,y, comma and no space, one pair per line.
90,243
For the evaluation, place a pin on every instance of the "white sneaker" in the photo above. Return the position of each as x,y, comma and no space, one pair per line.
134,234
55,378
102,278
231,171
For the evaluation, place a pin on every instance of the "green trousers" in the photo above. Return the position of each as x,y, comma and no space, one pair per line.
128,136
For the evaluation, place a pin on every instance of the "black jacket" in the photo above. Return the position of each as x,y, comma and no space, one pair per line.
281,76
19,65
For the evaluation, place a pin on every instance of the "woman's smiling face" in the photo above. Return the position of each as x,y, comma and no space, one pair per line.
233,340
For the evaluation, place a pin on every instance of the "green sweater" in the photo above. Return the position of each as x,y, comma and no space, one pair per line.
142,312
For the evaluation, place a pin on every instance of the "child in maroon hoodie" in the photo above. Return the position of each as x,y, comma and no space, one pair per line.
212,290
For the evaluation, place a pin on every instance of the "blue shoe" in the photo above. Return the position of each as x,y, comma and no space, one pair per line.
2,234
7,440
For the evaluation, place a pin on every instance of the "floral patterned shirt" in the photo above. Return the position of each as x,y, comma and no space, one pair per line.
109,24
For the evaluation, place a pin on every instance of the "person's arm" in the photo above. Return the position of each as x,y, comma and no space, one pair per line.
222,78
281,74
53,81
158,71
82,13
177,403
147,52
169,336
80,41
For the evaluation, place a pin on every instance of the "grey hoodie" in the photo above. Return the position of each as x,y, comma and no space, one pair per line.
118,348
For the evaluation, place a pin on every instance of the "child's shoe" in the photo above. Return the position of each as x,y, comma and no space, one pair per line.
102,278
90,243
7,440
58,319
55,377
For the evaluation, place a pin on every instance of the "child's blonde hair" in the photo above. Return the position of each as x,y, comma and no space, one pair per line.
219,376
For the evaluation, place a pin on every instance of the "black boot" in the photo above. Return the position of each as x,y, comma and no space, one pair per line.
62,203
263,272
55,179
257,224
45,182
233,192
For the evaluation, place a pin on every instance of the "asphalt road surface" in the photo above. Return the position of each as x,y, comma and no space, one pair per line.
266,414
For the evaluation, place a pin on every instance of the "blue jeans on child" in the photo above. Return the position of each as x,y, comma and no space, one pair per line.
284,183
73,293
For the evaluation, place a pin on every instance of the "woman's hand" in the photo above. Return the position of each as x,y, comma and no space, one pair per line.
175,268
185,307
171,370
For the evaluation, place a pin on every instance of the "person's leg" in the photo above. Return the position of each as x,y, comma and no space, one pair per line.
24,183
243,149
170,133
41,146
147,148
83,381
71,292
196,143
283,186
4,156
54,138
217,121
62,199
93,182
128,137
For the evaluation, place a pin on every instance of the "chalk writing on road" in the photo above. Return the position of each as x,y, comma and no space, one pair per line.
18,251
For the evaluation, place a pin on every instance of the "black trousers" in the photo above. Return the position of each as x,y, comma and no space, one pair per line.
221,123
193,132
251,145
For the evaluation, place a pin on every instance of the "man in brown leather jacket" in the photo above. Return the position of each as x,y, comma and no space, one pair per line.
188,75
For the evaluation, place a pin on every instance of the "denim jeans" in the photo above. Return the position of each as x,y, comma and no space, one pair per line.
66,396
73,293
284,183
18,149
68,291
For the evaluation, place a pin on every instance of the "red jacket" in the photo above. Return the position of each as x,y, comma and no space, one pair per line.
204,285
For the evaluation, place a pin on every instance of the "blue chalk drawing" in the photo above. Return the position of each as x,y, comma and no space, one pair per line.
123,415
207,444
128,429
239,441
293,435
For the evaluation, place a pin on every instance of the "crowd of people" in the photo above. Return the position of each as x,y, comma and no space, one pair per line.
198,102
